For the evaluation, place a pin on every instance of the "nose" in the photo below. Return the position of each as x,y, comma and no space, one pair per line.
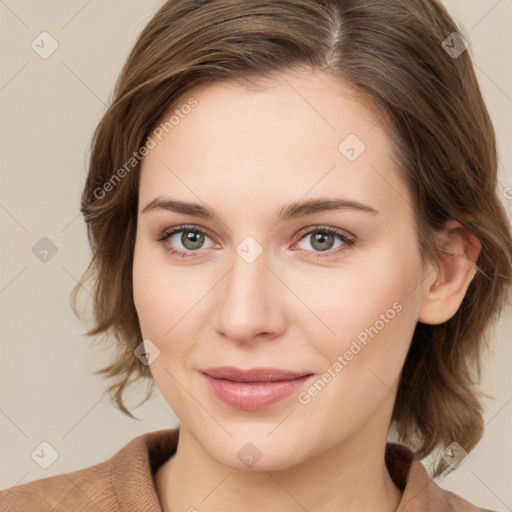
250,302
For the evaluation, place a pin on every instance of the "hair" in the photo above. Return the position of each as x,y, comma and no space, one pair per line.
444,145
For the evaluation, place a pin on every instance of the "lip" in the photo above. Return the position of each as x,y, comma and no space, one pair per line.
253,374
253,389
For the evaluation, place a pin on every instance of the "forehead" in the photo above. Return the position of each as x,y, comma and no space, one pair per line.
285,138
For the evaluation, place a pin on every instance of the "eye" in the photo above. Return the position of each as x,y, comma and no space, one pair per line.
323,239
191,239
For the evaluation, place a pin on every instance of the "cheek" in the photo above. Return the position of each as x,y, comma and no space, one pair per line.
371,317
162,307
363,360
154,296
171,312
162,297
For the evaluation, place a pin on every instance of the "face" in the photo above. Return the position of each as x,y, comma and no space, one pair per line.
328,291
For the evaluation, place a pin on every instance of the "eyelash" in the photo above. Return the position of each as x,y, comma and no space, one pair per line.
348,241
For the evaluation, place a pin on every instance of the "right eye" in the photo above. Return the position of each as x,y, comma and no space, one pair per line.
191,239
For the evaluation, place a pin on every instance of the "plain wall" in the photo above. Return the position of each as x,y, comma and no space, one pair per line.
49,109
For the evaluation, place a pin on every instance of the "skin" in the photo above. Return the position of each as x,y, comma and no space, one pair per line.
246,153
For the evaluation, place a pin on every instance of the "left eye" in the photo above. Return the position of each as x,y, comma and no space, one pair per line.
193,238
323,240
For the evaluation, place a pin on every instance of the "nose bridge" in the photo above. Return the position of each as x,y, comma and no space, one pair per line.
249,303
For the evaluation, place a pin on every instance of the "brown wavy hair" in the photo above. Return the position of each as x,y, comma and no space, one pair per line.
391,53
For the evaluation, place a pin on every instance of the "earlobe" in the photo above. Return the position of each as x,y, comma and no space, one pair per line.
445,287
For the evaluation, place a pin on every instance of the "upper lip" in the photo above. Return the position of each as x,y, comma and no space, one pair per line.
252,374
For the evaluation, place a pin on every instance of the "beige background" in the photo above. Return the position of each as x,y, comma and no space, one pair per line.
49,108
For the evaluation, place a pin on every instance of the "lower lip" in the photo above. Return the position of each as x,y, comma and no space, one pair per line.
253,396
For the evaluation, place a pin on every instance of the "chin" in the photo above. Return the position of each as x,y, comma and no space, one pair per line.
255,452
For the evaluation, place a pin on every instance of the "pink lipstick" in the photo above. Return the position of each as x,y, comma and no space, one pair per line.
253,389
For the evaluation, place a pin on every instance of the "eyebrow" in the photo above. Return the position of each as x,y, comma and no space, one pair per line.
287,212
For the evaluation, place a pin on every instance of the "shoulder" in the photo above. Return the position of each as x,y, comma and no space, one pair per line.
88,488
419,490
457,503
123,482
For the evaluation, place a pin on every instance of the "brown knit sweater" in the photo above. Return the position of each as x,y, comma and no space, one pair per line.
125,483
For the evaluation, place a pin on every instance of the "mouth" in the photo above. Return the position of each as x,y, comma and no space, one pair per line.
253,375
255,388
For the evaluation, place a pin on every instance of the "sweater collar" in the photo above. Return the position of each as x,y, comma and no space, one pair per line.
133,469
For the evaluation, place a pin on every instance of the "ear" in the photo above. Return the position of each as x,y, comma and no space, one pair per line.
445,287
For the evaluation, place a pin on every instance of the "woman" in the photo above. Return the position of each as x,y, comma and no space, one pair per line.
296,235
